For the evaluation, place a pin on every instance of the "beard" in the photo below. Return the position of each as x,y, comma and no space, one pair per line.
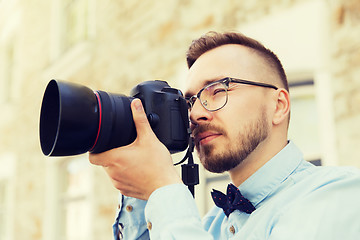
245,143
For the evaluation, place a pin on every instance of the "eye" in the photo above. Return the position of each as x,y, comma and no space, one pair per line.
190,101
219,90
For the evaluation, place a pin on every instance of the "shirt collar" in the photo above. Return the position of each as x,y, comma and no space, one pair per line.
269,177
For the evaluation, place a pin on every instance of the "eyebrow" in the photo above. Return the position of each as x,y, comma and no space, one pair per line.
189,94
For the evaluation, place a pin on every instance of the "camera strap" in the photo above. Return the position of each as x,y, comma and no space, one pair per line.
190,170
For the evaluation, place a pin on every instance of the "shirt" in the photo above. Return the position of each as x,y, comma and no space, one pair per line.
293,199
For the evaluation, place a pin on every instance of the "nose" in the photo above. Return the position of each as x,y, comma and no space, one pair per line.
198,114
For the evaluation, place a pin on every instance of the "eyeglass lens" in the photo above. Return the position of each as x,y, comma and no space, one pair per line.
214,96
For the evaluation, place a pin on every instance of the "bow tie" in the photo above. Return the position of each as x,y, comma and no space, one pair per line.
232,200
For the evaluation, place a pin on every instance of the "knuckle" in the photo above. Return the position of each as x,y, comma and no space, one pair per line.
118,185
116,177
92,159
142,119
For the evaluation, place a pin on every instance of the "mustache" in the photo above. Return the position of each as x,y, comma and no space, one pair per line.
207,127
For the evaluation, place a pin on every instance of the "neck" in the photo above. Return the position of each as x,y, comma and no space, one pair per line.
266,150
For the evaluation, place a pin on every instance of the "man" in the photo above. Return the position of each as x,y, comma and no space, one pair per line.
239,112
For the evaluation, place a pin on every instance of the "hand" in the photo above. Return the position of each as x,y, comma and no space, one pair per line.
141,167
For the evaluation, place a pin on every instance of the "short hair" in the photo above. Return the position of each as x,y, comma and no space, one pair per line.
213,40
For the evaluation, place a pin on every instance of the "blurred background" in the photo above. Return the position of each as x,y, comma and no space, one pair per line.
114,45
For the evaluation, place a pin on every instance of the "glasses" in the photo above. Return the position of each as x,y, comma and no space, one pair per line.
214,96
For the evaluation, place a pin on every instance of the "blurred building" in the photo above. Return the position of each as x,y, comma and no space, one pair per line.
113,45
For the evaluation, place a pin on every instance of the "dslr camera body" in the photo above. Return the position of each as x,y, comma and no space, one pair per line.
74,119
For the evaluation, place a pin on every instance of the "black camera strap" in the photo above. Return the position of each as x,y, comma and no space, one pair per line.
190,170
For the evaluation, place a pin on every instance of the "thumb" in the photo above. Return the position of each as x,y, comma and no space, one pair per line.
142,125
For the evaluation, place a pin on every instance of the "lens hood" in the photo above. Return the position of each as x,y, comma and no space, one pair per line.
68,119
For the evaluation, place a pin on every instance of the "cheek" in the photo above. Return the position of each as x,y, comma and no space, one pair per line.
238,117
237,113
247,105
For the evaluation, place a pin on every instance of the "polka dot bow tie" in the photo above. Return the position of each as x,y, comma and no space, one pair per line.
232,201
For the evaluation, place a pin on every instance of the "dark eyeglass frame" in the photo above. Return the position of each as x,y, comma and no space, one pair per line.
226,81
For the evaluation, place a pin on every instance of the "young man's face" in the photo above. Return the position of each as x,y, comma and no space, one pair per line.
226,137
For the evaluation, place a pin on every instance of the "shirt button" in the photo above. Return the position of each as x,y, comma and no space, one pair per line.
129,208
149,225
232,229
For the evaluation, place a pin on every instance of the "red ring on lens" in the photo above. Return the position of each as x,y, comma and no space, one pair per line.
100,114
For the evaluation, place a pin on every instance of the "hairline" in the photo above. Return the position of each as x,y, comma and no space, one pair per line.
213,40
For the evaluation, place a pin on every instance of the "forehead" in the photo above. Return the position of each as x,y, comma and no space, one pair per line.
225,61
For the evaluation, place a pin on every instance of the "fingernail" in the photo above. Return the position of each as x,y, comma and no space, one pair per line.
138,105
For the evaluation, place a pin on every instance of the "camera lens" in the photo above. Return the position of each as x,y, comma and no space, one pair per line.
74,120
49,120
116,127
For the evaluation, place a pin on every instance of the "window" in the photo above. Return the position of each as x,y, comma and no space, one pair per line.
73,28
3,208
74,200
304,123
7,161
6,73
74,22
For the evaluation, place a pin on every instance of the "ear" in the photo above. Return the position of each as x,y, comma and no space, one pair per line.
282,110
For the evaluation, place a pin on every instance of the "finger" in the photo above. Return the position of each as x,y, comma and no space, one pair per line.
142,125
100,159
127,189
95,159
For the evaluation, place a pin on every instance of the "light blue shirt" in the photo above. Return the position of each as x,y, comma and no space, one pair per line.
293,200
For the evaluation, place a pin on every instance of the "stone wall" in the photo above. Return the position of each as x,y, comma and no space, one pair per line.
345,70
134,41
